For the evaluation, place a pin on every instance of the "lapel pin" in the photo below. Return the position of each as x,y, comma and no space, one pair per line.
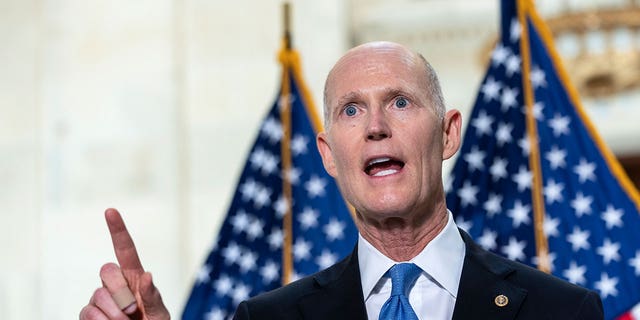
501,300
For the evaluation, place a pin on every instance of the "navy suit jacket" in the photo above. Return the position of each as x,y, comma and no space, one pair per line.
336,293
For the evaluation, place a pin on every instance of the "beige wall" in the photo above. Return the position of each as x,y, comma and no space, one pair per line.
147,106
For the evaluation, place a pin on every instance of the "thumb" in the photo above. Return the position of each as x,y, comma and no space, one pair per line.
153,306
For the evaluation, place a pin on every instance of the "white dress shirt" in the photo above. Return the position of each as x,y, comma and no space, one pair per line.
435,292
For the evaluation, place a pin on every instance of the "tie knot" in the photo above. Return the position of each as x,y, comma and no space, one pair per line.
403,277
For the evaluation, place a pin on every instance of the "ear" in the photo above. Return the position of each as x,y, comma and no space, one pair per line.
452,125
325,152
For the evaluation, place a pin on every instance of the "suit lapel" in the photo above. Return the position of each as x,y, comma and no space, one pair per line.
483,287
339,294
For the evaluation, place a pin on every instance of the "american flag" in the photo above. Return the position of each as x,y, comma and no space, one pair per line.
247,257
587,209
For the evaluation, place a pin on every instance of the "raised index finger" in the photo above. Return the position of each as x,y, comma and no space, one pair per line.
123,245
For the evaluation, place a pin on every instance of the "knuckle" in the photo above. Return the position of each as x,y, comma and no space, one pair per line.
109,268
90,313
101,294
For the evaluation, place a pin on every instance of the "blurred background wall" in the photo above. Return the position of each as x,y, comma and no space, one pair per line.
151,106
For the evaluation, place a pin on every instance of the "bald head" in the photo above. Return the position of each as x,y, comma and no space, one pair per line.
371,56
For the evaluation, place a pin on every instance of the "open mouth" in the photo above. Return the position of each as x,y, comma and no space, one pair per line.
380,167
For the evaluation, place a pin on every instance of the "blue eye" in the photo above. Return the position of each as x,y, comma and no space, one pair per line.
350,110
401,102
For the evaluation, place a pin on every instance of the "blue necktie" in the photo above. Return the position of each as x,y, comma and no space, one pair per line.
397,307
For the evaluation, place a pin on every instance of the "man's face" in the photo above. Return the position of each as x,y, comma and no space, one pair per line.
385,142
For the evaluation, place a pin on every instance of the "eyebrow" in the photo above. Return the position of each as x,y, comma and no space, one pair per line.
388,94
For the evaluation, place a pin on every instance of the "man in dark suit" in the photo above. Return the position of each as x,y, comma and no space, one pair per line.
387,133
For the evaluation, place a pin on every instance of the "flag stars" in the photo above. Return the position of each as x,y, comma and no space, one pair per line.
240,221
559,125
474,158
275,239
609,251
240,293
301,249
315,186
523,178
255,229
463,224
582,204
482,123
467,194
525,146
299,145
550,226
553,192
508,99
635,263
575,274
498,169
514,250
223,285
579,239
247,261
612,217
537,77
536,110
503,134
262,197
493,204
585,171
512,65
490,89
520,214
326,259
269,272
269,164
272,129
515,30
215,314
248,189
281,206
488,239
556,157
204,274
231,253
334,229
293,175
500,54
607,286
308,218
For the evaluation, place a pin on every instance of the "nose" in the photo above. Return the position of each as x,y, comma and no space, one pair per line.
378,127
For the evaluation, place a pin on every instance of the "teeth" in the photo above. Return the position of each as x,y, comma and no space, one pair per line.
379,160
385,173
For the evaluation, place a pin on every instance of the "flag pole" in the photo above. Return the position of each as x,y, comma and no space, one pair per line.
542,246
286,16
285,116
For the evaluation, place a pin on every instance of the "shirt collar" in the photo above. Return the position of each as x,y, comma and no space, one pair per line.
442,259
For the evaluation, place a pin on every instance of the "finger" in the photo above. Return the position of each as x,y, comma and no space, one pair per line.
123,245
116,284
151,300
91,312
104,302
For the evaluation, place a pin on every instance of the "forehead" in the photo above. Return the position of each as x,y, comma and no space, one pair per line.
375,69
